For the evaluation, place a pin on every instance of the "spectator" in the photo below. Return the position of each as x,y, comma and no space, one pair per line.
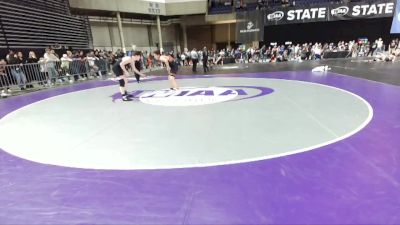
317,52
144,56
16,69
5,80
33,72
183,58
380,48
65,66
76,65
396,54
195,59
220,57
50,61
102,64
91,63
10,52
150,60
205,60
392,46
187,57
354,50
372,49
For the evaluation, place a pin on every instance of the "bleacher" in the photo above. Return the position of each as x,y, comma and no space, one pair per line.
57,6
41,23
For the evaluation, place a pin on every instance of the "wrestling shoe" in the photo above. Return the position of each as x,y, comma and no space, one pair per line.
128,95
125,98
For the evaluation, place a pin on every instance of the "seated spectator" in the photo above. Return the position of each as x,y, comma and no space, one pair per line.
392,47
238,55
285,56
317,52
274,54
396,54
220,59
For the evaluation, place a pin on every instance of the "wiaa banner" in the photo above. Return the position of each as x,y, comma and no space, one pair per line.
249,27
396,20
330,12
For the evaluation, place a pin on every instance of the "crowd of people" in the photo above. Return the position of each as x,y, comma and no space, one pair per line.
51,69
48,69
376,50
58,67
249,5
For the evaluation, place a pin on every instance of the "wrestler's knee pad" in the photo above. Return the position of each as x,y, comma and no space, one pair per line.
122,83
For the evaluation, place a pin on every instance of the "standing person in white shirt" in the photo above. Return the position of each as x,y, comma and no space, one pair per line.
183,59
65,65
187,57
297,51
317,52
220,58
351,43
91,59
379,48
50,64
195,59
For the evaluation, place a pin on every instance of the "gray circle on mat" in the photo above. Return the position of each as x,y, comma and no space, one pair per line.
86,129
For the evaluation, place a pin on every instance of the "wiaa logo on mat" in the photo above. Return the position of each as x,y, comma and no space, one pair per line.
192,96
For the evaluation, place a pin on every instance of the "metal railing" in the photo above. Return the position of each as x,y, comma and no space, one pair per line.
24,77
